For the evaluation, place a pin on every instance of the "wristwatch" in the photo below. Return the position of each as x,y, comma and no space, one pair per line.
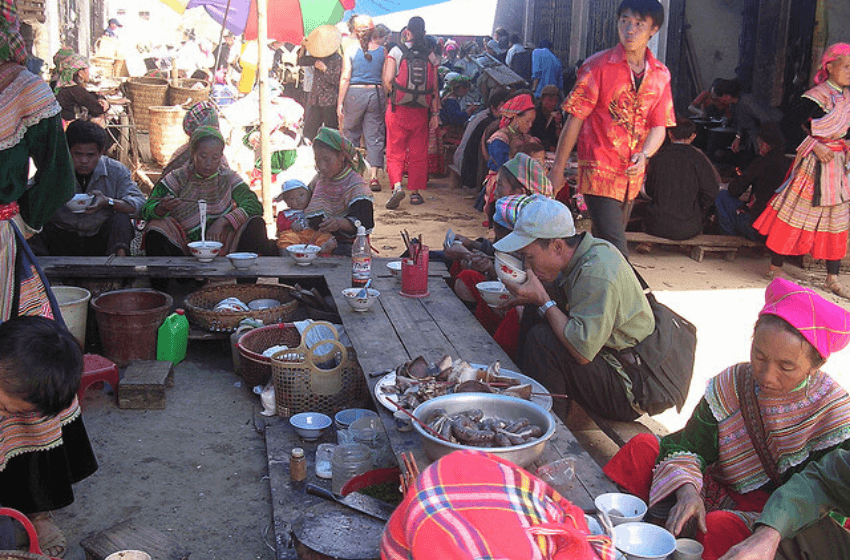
546,306
111,202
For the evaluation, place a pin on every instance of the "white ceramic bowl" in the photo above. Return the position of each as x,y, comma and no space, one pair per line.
644,541
630,508
304,254
494,293
80,202
242,260
205,251
310,425
509,268
395,269
360,304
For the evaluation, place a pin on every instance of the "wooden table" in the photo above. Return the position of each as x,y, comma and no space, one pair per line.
396,329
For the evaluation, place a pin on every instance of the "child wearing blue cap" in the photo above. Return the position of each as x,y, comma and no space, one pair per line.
292,228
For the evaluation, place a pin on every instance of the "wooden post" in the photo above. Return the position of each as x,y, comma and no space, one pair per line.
265,110
175,75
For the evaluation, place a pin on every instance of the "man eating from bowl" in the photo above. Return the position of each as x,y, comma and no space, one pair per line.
591,311
104,226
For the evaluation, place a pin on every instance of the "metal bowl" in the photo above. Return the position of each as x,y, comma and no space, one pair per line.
502,406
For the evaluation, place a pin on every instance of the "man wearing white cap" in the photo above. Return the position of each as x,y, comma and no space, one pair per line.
593,313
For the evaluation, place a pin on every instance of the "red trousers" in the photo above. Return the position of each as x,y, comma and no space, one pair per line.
407,130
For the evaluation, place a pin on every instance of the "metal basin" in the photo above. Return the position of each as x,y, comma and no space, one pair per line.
500,406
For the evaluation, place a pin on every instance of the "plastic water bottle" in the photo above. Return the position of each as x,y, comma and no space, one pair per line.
361,259
173,337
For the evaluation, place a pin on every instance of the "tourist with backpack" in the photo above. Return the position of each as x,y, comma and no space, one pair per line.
410,79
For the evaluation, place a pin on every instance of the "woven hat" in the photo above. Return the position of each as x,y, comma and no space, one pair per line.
323,41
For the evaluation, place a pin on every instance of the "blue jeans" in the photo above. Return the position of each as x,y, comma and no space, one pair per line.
609,217
730,220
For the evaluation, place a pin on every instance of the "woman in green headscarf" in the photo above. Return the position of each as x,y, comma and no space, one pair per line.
73,97
234,214
341,195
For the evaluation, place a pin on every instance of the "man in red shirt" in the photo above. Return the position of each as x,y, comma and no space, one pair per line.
618,112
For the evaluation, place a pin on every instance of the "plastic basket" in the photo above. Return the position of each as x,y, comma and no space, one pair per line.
302,386
255,368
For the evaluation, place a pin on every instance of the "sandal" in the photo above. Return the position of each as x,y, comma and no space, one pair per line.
416,198
836,288
51,539
395,199
375,185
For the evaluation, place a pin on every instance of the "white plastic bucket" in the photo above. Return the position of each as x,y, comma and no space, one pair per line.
74,305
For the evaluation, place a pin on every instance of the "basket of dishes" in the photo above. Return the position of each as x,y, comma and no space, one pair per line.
221,308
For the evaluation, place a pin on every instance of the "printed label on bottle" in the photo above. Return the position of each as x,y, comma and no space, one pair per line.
361,270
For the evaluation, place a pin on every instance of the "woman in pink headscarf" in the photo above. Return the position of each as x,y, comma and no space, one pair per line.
758,423
812,214
518,115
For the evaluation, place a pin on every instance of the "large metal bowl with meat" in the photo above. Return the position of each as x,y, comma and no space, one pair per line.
497,407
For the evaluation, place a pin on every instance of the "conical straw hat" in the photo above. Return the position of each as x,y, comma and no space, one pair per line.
323,41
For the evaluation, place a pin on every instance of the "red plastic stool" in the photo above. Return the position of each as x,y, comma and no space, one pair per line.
96,368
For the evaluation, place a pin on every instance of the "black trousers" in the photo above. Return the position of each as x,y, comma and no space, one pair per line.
317,116
115,234
596,386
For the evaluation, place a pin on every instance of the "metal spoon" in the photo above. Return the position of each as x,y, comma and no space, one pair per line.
364,290
202,209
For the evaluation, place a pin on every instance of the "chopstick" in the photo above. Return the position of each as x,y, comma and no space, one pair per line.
425,426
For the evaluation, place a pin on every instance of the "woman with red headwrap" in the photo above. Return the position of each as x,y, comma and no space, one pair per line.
518,115
812,215
758,423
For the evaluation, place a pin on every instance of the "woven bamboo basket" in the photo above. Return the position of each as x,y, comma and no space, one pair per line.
145,93
105,66
187,92
255,368
200,305
166,132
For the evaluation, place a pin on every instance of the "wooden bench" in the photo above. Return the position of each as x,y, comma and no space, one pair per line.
701,244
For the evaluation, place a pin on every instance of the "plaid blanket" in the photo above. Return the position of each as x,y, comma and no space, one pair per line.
473,505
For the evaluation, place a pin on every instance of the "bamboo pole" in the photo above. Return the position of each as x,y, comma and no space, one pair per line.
265,109
220,41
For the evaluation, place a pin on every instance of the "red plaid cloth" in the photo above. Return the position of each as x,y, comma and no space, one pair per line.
473,505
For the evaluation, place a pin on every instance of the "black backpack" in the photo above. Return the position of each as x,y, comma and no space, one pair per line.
413,85
521,64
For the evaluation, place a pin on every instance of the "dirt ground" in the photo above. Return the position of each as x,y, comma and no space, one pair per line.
197,470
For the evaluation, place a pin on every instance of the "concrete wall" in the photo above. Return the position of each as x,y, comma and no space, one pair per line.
715,27
510,14
838,17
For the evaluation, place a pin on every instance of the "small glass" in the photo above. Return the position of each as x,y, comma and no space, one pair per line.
324,455
558,474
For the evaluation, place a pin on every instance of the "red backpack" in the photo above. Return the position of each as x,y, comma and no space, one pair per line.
415,79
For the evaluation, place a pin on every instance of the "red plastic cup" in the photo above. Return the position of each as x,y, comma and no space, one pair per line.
414,275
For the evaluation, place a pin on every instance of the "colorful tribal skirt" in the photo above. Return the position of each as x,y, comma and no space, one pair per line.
794,226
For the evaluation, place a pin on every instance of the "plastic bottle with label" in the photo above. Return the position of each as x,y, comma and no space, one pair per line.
173,337
361,258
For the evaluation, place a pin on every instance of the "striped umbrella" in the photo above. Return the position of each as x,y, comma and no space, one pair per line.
288,20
